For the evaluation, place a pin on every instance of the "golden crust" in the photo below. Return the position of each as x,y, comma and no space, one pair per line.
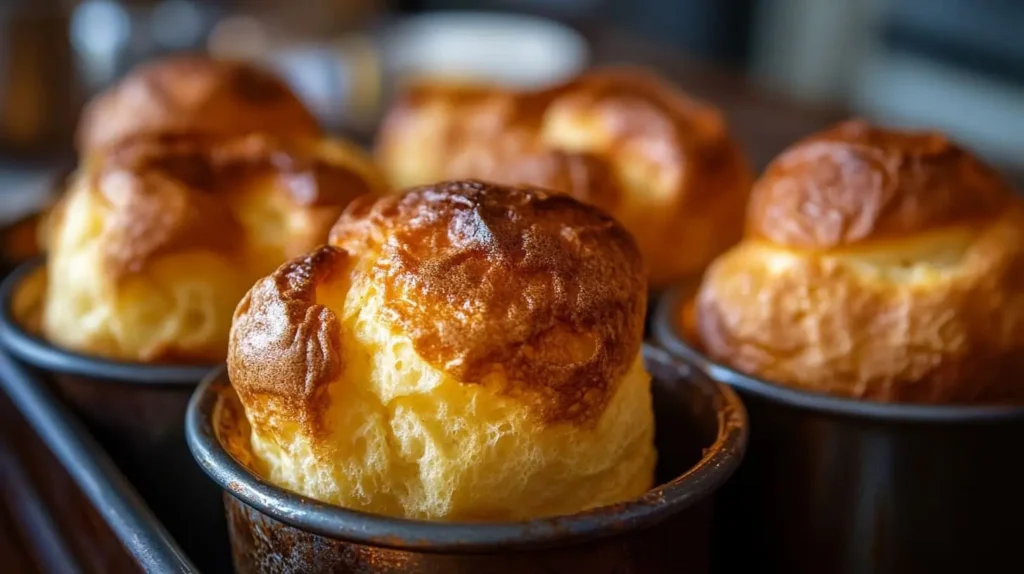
197,177
285,344
858,182
184,193
622,139
878,265
462,351
193,95
157,239
485,278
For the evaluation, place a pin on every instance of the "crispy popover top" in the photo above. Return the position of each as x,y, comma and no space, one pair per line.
482,278
623,139
463,350
192,94
878,264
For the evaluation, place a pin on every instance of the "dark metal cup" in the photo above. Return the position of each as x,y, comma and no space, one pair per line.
843,486
136,412
701,436
18,242
652,306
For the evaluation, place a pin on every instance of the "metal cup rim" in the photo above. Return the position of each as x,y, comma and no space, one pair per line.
668,336
40,353
718,463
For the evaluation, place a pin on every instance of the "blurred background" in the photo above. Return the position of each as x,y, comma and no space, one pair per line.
778,68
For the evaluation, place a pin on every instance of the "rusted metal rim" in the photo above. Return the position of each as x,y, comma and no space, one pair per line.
40,353
668,336
718,463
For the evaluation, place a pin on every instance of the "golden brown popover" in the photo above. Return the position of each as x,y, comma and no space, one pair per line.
196,96
623,139
160,234
463,351
877,264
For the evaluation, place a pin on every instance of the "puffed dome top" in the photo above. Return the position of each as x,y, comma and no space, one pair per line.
196,95
859,183
157,240
877,264
459,351
663,164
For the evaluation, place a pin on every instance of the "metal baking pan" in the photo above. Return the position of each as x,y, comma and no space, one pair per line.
135,412
119,505
842,486
91,469
701,436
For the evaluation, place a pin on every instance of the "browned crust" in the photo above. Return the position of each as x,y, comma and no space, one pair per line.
879,265
214,164
858,182
284,345
488,279
685,145
192,94
179,193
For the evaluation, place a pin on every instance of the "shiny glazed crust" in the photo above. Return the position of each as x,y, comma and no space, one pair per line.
484,278
286,344
620,138
193,95
877,264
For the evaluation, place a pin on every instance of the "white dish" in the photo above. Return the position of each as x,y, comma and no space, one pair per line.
514,50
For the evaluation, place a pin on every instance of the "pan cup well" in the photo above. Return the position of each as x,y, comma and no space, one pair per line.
135,411
701,438
832,484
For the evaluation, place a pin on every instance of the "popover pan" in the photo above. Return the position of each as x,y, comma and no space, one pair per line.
136,412
701,437
75,506
845,486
